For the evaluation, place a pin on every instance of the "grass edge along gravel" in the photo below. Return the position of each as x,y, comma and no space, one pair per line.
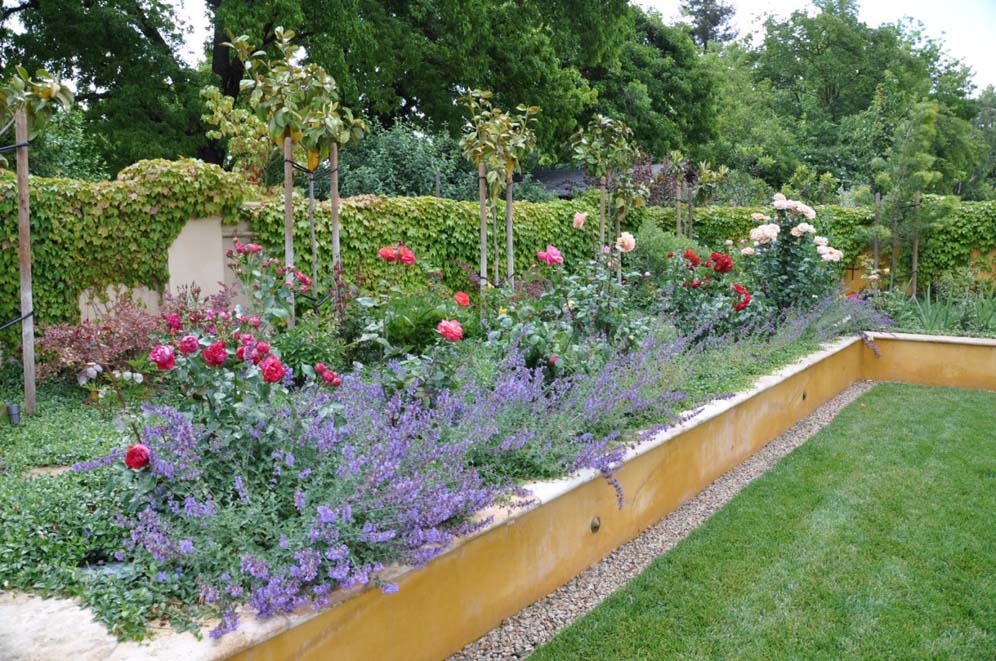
872,540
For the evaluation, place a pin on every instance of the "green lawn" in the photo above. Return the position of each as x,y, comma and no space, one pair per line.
876,539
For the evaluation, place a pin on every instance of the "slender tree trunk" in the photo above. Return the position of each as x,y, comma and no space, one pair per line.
619,216
509,238
482,194
334,197
494,238
677,208
876,248
439,185
691,219
311,226
24,257
601,212
916,243
895,249
289,211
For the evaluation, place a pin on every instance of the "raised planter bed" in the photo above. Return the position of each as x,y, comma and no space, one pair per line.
528,552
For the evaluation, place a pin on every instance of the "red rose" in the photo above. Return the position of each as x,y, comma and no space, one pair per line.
740,289
670,254
189,345
696,284
450,329
262,348
406,256
692,258
723,263
331,378
462,299
215,355
708,264
388,254
744,302
173,322
272,369
163,356
320,368
240,353
137,457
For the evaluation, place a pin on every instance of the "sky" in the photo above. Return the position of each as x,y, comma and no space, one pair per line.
966,27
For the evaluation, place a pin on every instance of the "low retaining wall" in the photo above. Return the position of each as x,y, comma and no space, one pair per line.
469,590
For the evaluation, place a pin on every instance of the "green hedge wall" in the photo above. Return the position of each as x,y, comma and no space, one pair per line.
87,234
443,233
92,234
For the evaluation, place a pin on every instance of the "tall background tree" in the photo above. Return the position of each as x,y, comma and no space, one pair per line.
711,21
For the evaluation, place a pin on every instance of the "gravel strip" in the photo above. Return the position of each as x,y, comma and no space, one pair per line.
517,636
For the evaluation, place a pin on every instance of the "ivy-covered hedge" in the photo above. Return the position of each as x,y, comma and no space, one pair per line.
89,235
444,233
93,234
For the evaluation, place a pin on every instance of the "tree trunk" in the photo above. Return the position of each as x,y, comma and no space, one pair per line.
876,249
439,185
690,190
916,243
311,226
334,197
509,238
895,249
482,194
619,216
601,213
677,209
289,211
494,238
24,257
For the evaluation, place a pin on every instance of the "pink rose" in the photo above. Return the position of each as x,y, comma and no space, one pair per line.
450,329
215,355
254,322
388,254
331,378
189,345
272,369
163,356
137,457
626,242
320,368
551,256
579,219
406,256
554,359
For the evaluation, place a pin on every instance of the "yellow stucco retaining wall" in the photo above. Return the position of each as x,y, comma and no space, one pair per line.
467,591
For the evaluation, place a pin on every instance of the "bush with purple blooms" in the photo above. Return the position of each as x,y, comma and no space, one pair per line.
248,484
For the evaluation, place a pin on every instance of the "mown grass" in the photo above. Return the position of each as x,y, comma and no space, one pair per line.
876,539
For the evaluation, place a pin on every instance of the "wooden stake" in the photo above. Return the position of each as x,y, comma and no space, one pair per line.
509,243
494,237
482,193
289,210
24,256
334,196
439,185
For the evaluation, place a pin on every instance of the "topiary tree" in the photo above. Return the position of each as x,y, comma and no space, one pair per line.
604,149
